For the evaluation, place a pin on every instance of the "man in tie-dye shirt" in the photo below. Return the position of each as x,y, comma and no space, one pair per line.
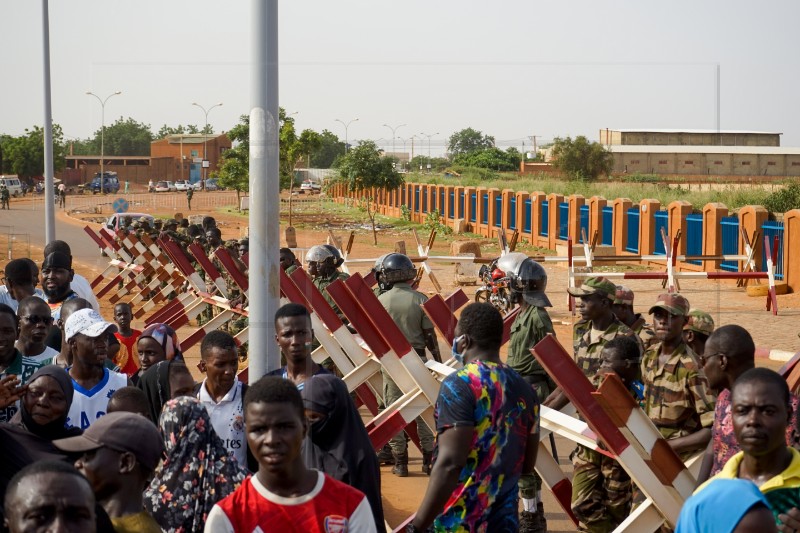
487,423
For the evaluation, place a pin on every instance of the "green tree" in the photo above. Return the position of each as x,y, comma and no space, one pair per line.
366,172
24,155
437,163
183,130
581,158
329,149
123,137
468,140
491,158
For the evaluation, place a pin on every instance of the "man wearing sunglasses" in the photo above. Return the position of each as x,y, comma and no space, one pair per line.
34,323
14,368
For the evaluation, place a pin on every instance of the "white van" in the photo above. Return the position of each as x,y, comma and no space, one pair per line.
13,184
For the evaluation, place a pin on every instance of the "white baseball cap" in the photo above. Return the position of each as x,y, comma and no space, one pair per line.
88,322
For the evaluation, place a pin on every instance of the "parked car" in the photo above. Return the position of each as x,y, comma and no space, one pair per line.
162,186
182,185
310,187
212,185
13,184
171,185
110,183
197,185
114,221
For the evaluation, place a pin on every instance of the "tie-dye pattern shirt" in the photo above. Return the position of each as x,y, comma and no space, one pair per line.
503,410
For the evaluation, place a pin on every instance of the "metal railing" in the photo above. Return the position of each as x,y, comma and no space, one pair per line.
632,242
694,237
730,242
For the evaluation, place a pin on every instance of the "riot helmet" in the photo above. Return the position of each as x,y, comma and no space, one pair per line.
526,277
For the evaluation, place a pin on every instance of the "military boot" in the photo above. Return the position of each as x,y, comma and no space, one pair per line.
400,464
385,456
427,457
531,522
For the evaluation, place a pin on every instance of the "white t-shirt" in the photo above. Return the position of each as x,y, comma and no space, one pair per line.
227,418
6,298
48,353
84,290
89,405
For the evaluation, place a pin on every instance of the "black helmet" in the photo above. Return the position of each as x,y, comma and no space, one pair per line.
396,268
527,277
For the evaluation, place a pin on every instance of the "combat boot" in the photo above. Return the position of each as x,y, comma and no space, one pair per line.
531,522
427,457
385,456
400,464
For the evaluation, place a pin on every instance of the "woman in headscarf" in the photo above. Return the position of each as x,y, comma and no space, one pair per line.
43,408
165,381
196,473
158,342
337,442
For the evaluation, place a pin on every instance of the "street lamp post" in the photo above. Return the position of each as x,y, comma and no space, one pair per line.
102,134
205,137
393,130
429,148
346,127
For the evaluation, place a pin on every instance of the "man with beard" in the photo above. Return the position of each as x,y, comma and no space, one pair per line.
87,335
57,276
14,368
34,322
78,283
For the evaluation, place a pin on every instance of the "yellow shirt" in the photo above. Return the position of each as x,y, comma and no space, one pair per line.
136,523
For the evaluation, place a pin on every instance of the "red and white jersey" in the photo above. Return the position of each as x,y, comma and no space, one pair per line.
330,507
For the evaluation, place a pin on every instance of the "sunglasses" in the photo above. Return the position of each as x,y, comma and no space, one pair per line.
35,319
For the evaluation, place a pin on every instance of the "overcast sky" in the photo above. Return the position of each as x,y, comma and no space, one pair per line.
511,69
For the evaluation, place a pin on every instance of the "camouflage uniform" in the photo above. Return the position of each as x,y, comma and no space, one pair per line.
531,325
5,195
601,489
643,330
322,283
699,322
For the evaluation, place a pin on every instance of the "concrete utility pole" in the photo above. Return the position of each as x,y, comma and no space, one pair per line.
49,186
264,189
102,135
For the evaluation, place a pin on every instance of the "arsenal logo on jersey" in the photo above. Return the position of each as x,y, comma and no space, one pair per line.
335,524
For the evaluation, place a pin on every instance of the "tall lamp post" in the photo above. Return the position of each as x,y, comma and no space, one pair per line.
205,137
393,130
102,134
429,147
346,127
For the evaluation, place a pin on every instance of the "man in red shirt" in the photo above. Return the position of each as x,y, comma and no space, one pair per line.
285,495
128,357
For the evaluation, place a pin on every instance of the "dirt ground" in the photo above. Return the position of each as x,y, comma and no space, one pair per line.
313,220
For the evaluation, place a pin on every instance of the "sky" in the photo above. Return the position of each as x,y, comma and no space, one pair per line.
511,69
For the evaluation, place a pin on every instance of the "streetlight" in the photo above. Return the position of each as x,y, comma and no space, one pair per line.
346,127
102,133
393,130
429,147
205,137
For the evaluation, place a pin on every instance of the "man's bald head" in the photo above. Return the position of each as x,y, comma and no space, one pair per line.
70,306
735,342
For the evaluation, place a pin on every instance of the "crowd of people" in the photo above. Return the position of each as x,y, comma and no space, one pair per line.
104,428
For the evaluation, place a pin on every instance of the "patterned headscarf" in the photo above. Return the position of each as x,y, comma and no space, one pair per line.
166,337
197,471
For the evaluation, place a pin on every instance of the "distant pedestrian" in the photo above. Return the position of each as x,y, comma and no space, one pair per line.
4,197
126,186
62,195
150,187
189,194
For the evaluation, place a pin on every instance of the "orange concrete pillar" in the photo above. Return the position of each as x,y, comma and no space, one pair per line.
713,214
596,205
678,211
458,212
576,201
491,209
553,200
481,227
751,218
621,206
470,214
791,249
647,225
538,198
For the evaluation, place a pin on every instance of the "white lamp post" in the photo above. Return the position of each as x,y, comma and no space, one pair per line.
205,137
102,134
346,127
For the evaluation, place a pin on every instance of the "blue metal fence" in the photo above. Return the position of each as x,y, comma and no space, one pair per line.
473,206
584,224
424,200
485,208
632,242
694,237
512,212
442,202
403,197
461,200
526,227
452,207
770,229
661,219
544,219
498,211
730,242
608,226
563,221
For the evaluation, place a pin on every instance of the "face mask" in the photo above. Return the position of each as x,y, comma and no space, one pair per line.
458,356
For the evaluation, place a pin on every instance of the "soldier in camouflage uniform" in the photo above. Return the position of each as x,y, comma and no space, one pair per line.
623,310
5,196
698,328
591,471
287,260
528,282
676,393
323,262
